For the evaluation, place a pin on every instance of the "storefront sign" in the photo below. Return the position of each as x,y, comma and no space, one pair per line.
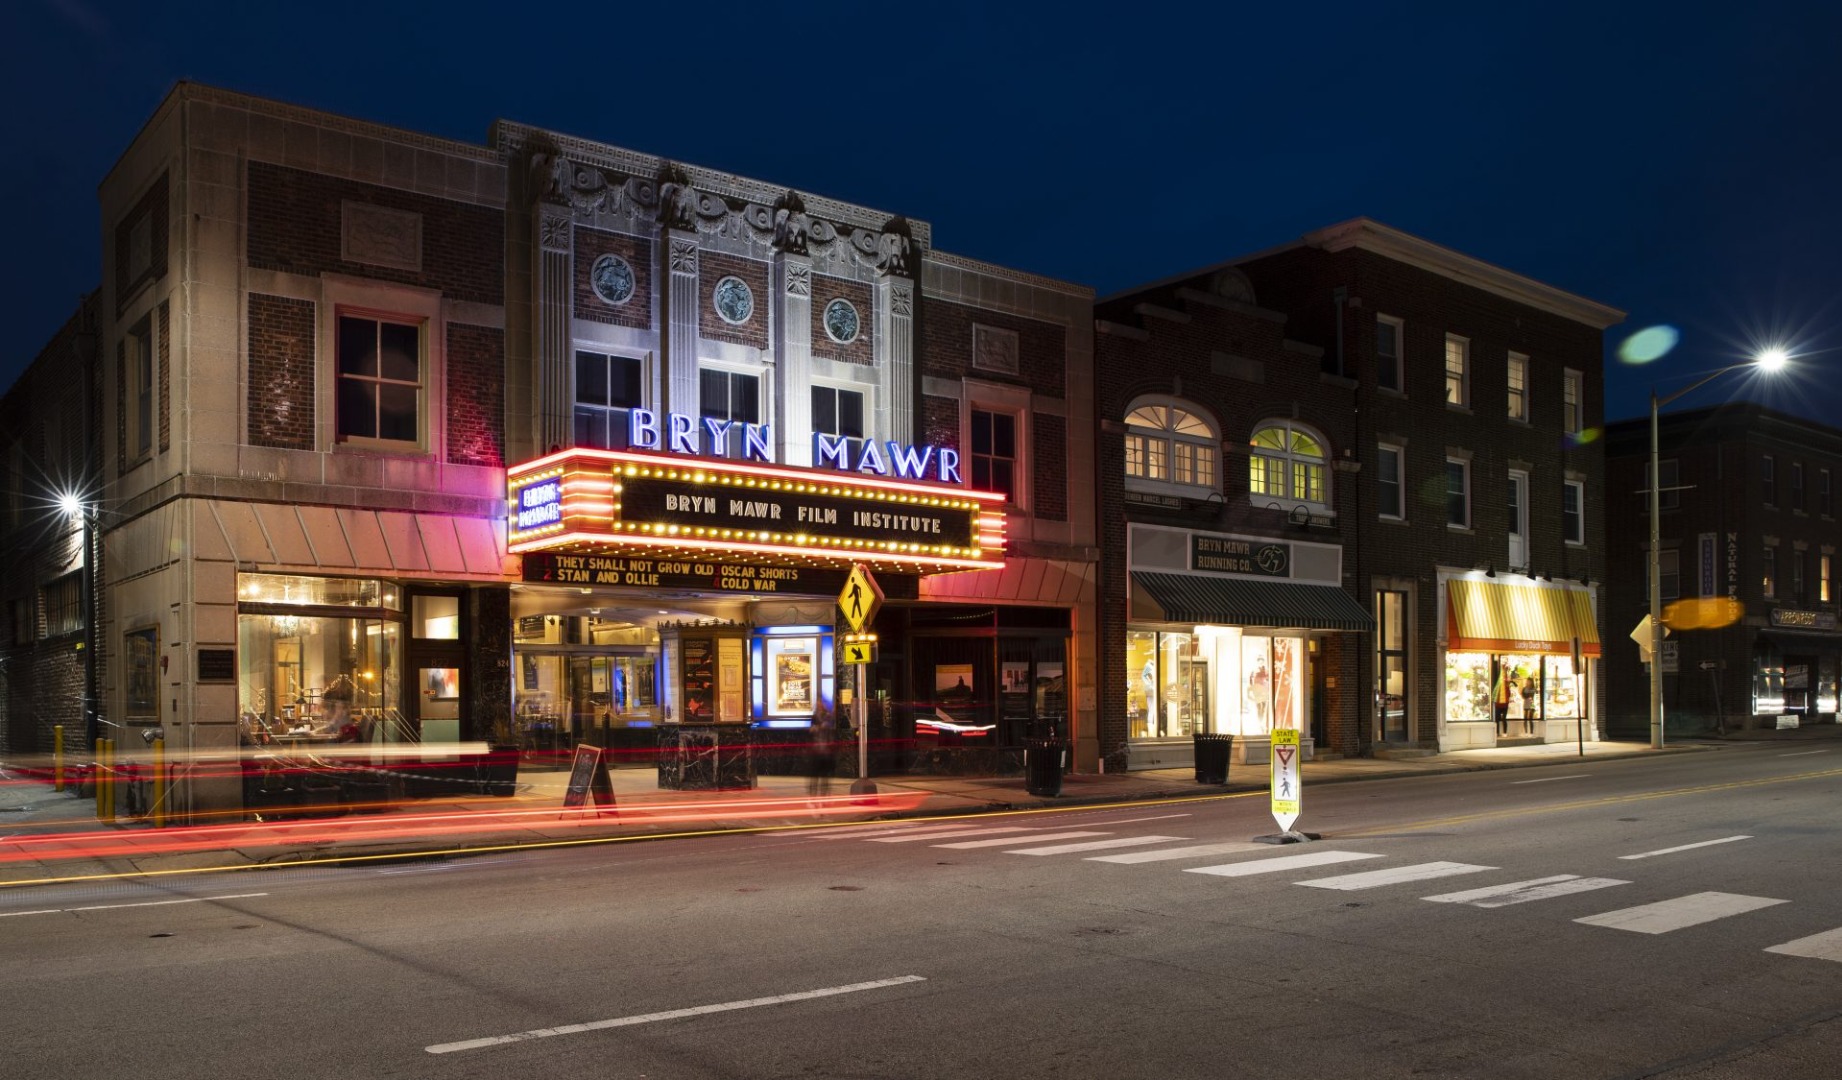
680,434
789,510
697,575
1733,565
539,504
1230,556
1804,620
1708,570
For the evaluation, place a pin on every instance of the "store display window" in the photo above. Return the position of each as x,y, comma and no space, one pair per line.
319,660
1561,689
1469,689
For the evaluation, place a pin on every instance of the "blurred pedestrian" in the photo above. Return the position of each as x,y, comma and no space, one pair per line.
822,754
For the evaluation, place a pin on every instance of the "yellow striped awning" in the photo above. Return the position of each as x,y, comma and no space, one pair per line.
1487,616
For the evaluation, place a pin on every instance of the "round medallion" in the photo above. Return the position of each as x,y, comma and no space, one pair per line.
612,279
841,323
735,302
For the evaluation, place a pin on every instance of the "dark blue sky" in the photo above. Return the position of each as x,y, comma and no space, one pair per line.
1680,161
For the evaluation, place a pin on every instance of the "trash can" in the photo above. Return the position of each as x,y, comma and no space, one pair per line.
1212,757
1042,766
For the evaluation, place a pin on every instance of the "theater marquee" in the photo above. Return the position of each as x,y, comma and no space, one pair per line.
657,506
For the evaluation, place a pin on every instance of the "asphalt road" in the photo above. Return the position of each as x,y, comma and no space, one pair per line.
1614,920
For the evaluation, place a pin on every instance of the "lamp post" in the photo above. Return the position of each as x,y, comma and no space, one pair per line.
1769,361
75,507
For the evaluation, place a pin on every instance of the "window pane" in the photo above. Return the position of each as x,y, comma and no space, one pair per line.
981,432
357,346
1135,455
1306,445
624,377
400,349
713,393
1003,476
850,413
1184,423
1205,465
1150,416
1183,470
397,412
1004,435
981,473
591,428
1266,476
357,409
1157,459
825,410
1456,501
745,398
1270,439
591,379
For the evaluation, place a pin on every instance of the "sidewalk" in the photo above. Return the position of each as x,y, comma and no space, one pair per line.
46,834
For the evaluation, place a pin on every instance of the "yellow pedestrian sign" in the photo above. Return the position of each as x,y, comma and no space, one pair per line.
858,648
860,599
1286,792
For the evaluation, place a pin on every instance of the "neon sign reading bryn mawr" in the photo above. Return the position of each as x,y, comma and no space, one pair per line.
681,434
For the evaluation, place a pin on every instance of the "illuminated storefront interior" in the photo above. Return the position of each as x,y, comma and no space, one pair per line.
1510,668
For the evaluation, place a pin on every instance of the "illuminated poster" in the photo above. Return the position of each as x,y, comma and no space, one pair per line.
791,675
699,680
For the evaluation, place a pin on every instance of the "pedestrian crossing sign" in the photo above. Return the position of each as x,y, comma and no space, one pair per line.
1286,793
858,649
860,599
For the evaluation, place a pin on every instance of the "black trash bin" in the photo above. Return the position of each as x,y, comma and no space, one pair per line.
1212,757
1042,766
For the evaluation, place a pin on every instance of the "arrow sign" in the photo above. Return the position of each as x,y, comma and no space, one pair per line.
1287,790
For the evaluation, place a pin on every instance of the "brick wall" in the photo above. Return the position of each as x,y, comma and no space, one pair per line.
1049,456
591,244
944,341
150,207
476,395
281,372
940,422
713,266
858,351
296,224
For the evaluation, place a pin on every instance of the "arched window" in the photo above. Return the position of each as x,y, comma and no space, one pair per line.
1169,443
1287,465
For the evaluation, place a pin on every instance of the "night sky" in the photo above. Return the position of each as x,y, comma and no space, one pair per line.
1681,161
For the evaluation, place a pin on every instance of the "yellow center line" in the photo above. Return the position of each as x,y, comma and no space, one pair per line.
1585,804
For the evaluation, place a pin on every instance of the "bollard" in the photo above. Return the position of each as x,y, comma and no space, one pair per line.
57,758
158,793
108,749
96,779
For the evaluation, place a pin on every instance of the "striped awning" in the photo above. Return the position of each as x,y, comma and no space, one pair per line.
1488,616
1196,598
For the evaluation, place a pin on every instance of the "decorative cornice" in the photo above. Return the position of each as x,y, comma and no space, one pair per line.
1367,235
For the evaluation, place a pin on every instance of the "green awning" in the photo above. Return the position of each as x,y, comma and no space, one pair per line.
1195,598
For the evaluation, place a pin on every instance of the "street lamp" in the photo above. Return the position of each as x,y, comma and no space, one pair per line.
1769,361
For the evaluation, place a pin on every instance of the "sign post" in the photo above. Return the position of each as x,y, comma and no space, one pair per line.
858,603
1287,793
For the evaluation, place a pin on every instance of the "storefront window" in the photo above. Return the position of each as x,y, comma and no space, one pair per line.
1141,683
1826,684
1518,693
1184,677
1288,683
1468,696
1561,689
1391,663
1768,684
436,617
320,678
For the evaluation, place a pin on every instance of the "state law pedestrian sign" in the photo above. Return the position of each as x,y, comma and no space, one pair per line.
1286,788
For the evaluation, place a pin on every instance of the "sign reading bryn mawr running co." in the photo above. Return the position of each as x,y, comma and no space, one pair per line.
686,502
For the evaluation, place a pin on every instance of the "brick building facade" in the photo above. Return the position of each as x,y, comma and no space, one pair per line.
1747,539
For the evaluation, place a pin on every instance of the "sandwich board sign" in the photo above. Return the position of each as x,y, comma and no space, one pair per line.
1286,789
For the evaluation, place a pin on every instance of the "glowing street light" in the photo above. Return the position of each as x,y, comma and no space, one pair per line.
1770,360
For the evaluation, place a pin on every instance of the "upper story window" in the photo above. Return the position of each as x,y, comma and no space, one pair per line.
1388,334
1288,464
607,387
1570,402
1768,577
734,396
1518,387
1823,504
1669,495
994,452
1457,493
837,411
62,602
1457,371
1170,443
1389,503
1768,476
140,347
1797,485
380,379
1573,511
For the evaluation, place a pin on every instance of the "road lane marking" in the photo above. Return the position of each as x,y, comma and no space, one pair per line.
669,1014
145,903
1094,845
942,834
1552,779
853,832
1581,804
1691,910
1127,821
1684,847
1395,875
1003,840
1522,892
1199,851
1804,753
1824,946
1280,864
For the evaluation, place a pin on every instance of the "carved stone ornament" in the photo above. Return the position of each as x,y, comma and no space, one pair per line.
888,251
381,236
791,225
684,256
902,299
553,232
590,190
995,349
799,279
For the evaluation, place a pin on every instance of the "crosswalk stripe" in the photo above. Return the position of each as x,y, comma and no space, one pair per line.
1683,847
1094,845
1691,910
1279,864
1003,840
1395,875
1522,892
941,834
1198,851
1824,946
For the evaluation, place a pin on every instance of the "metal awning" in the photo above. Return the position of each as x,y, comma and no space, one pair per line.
1488,616
1196,598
